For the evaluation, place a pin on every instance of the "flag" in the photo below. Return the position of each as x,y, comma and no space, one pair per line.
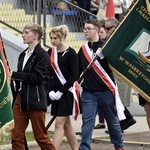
128,48
6,116
110,9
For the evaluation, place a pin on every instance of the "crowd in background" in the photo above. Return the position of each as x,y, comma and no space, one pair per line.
98,7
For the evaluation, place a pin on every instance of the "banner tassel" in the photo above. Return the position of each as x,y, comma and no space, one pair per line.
148,6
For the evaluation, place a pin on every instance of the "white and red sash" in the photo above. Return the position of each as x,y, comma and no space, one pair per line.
75,89
107,80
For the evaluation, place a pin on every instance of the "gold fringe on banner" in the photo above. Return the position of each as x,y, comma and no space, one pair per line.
148,6
6,128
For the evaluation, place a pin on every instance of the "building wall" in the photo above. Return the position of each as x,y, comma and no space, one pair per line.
13,47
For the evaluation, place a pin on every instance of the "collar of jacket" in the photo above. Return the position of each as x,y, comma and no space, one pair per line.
36,49
94,45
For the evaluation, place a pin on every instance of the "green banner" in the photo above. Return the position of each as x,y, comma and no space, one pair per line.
128,48
6,116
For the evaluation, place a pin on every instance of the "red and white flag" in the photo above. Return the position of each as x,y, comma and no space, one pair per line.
110,10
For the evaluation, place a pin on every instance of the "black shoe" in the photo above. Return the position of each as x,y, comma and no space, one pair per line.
98,126
129,123
78,133
106,131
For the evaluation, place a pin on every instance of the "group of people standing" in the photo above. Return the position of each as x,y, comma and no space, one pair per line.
95,6
54,74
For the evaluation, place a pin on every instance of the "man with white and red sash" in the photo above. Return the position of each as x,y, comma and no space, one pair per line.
98,89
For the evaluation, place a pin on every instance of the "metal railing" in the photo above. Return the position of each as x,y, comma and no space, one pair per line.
15,14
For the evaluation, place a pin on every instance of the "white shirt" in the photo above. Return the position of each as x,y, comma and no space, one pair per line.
27,56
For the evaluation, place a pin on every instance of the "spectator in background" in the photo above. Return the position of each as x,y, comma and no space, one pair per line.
110,25
118,9
101,119
94,7
125,92
84,4
103,32
117,13
102,9
144,103
126,5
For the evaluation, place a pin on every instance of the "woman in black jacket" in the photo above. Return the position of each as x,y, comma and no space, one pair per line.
63,74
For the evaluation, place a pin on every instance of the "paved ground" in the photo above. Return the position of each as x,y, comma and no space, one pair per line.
137,137
134,141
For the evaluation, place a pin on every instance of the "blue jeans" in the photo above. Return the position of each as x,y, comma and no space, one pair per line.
106,102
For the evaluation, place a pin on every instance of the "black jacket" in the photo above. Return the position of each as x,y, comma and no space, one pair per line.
68,65
34,76
92,82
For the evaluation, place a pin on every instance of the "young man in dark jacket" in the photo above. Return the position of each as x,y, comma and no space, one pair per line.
98,89
31,98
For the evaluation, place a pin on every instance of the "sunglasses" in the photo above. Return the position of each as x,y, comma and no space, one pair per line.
108,28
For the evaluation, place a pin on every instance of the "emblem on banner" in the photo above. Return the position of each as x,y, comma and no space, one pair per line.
2,76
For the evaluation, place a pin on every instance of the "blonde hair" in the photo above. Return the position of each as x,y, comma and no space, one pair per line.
35,28
60,31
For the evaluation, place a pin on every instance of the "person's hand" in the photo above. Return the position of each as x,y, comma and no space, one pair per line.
10,74
51,95
120,4
99,53
9,77
58,95
55,96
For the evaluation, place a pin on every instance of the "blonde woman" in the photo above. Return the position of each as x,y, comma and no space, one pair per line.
63,73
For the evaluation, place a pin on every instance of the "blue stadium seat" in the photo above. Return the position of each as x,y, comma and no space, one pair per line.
63,12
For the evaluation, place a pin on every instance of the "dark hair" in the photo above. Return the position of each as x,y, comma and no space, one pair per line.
102,22
93,22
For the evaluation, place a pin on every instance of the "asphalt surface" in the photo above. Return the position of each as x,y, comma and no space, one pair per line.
134,141
137,137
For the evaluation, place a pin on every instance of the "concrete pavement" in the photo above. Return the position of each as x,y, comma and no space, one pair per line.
136,110
140,126
138,134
